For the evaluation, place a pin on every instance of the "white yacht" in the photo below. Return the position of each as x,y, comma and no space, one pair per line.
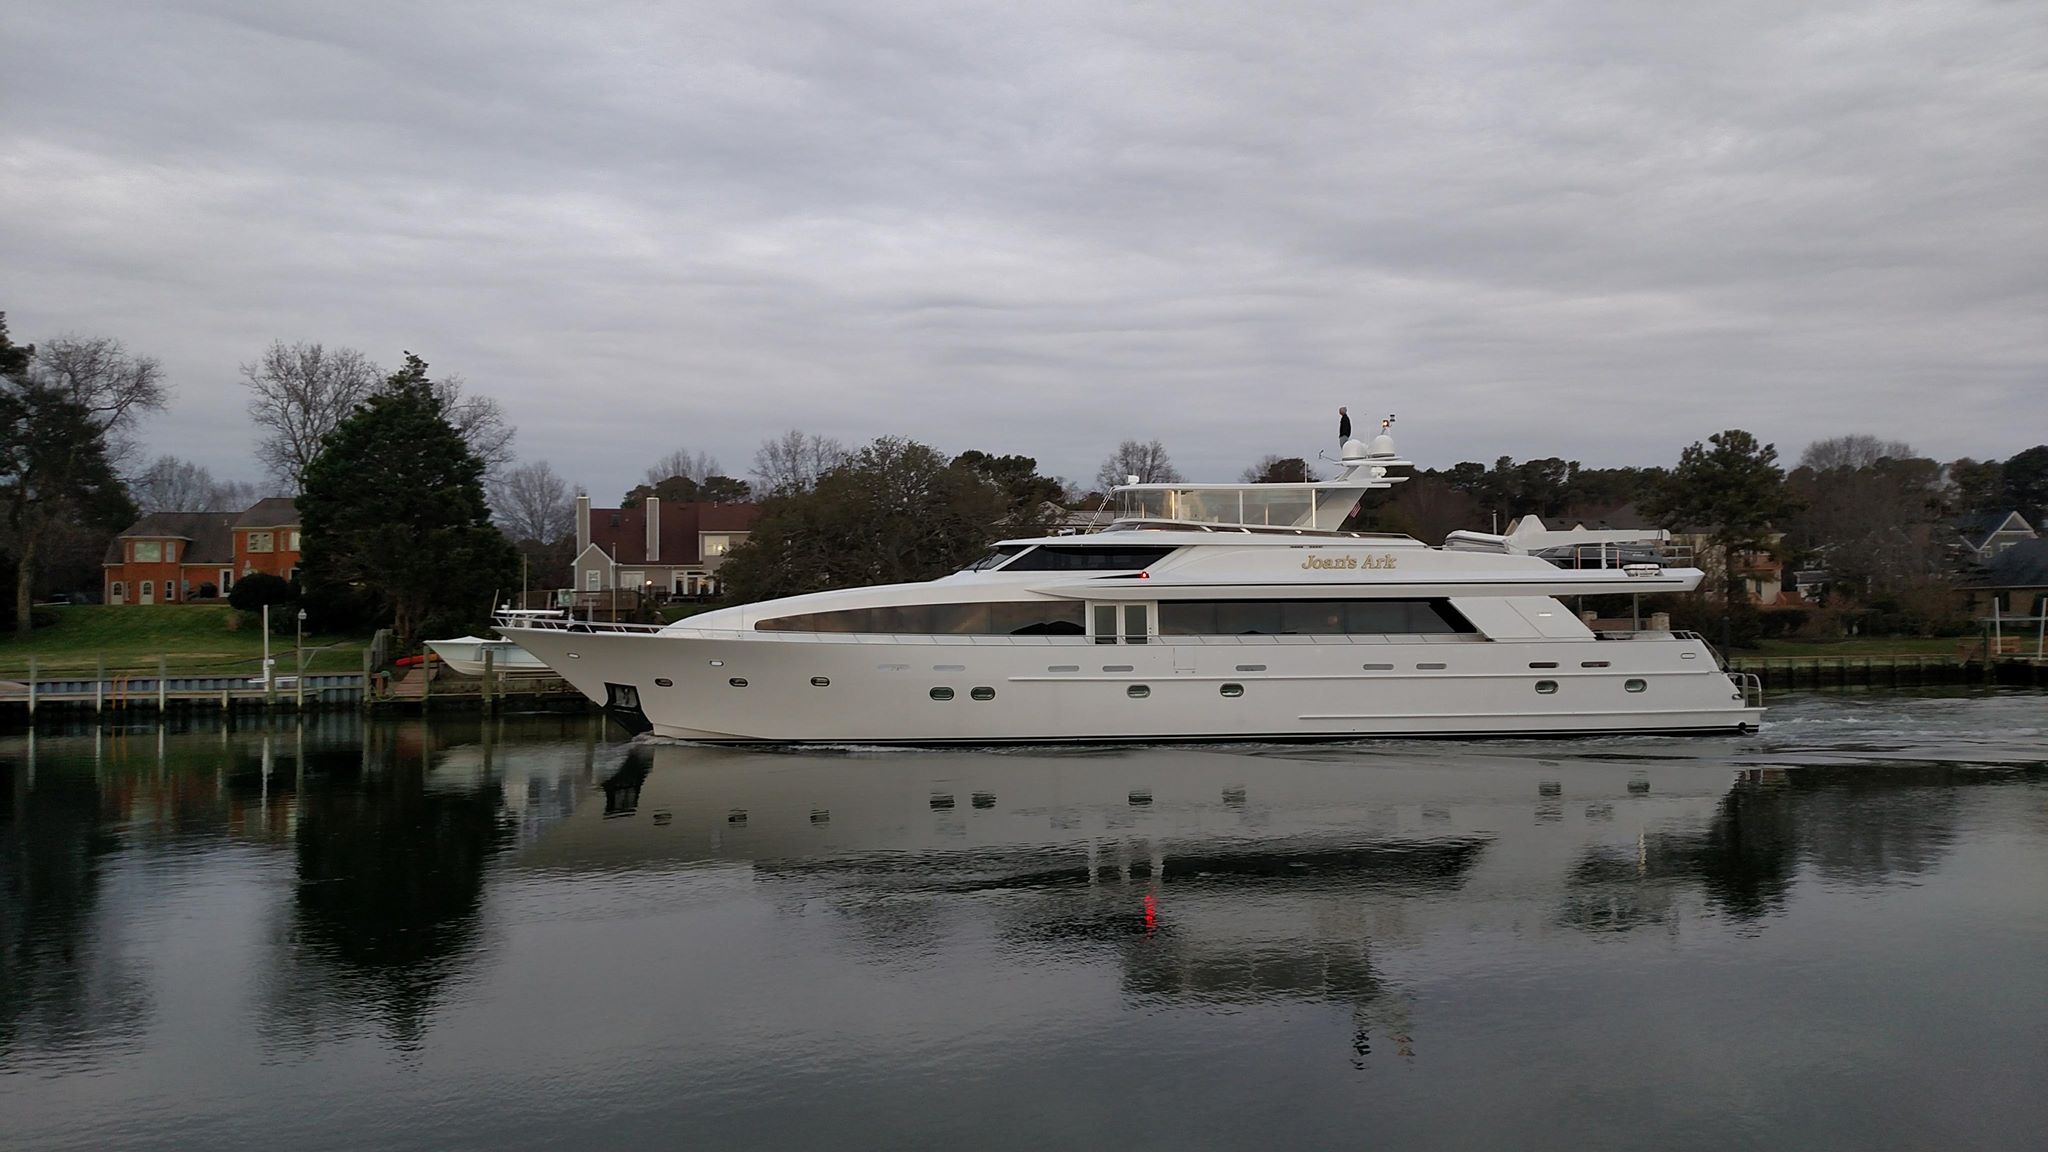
1203,612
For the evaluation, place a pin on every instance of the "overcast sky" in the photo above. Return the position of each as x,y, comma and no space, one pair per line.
1595,230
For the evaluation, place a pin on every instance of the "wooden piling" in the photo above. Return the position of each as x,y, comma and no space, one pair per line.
31,686
163,683
489,667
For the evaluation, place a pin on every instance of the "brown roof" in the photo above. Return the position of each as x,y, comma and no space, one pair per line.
270,512
209,535
622,532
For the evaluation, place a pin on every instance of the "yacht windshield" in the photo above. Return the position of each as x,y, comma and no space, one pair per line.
996,558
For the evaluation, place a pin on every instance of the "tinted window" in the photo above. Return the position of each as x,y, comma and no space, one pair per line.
995,558
1079,558
1308,617
1037,618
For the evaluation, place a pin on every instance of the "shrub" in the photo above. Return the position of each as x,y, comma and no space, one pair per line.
257,589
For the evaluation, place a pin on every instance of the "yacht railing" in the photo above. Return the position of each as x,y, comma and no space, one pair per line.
1751,686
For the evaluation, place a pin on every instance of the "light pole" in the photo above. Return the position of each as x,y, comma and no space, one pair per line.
269,683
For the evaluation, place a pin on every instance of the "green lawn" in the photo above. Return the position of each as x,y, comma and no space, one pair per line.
198,639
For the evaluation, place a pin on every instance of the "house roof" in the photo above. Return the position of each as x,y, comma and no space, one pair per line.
2024,565
209,535
1978,529
622,532
270,512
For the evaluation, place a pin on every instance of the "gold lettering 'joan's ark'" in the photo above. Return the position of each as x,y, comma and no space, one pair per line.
1347,563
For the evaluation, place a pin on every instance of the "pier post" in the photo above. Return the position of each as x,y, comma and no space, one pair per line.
364,697
163,684
99,684
490,665
31,686
426,678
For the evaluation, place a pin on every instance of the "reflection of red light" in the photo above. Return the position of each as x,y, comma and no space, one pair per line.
1151,912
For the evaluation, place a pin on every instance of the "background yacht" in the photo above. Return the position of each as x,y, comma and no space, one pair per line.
1204,612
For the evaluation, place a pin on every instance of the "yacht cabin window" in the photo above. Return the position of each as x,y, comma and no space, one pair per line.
1082,558
1024,618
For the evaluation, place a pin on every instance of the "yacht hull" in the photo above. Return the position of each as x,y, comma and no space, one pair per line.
869,689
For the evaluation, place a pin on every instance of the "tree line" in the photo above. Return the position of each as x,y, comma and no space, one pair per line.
415,510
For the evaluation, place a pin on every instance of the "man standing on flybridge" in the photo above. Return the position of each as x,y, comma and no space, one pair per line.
1343,428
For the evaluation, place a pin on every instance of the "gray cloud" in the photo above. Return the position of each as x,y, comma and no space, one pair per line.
1587,229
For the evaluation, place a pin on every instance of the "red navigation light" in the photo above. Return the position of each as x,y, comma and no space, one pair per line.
1144,575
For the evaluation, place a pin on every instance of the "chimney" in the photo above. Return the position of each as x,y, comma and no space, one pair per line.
582,522
654,529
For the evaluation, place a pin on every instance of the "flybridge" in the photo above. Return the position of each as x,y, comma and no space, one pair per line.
1320,506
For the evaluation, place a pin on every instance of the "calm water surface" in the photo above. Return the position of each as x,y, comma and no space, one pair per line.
537,935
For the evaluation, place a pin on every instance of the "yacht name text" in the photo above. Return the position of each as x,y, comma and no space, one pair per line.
1348,563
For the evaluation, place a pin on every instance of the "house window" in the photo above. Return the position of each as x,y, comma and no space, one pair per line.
170,590
294,545
149,551
171,552
717,546
262,542
633,580
591,578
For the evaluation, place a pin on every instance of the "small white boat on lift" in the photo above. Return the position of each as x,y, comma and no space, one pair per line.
465,654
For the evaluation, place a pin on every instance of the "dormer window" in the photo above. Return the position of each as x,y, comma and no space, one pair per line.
149,551
262,542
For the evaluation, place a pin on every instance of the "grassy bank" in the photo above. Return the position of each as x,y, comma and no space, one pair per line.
197,639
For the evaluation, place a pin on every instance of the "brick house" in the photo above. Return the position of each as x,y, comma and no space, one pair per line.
673,546
171,557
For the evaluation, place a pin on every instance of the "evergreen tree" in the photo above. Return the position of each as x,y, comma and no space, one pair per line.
395,521
895,511
1733,491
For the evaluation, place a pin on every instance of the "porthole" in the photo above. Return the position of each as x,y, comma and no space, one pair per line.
575,656
1546,687
663,682
1542,663
821,682
1378,667
1637,685
1251,667
718,663
982,693
1116,668
1592,663
1432,667
1232,690
949,667
942,693
1137,691
1063,668
738,681
1688,655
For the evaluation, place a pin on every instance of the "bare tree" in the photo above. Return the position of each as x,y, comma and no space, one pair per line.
793,462
696,466
1859,450
1146,461
112,387
68,416
173,485
531,502
1276,469
480,420
297,394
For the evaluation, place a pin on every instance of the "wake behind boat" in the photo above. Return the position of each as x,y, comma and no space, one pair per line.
1204,612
